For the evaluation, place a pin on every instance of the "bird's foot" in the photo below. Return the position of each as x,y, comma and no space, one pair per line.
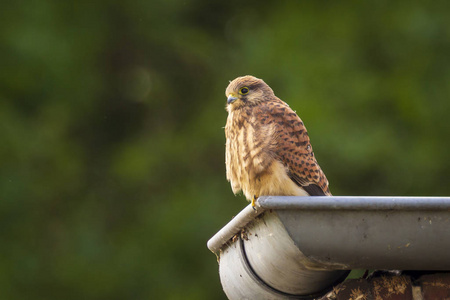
254,202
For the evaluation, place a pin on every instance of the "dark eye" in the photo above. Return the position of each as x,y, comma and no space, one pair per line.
243,90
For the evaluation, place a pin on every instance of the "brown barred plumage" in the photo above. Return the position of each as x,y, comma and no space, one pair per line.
268,151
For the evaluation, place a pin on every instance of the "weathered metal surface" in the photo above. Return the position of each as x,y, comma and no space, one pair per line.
264,263
276,259
237,278
298,245
354,203
404,233
233,227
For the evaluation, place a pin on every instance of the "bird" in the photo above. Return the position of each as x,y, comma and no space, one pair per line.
268,150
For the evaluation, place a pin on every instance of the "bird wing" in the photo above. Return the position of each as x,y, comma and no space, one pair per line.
295,151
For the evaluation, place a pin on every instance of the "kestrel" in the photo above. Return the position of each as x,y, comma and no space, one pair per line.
268,151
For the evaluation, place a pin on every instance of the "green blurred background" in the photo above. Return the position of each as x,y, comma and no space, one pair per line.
112,174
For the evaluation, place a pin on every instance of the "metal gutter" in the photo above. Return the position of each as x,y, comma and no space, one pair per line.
233,227
299,246
405,233
354,203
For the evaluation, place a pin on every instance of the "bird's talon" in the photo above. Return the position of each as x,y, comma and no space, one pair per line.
254,202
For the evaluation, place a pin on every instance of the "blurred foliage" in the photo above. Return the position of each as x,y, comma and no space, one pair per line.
112,172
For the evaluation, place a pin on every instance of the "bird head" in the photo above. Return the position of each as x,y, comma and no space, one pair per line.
247,91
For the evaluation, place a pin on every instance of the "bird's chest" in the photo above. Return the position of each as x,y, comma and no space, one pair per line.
248,147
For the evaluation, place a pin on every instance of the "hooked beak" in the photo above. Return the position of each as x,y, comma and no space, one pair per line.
231,98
